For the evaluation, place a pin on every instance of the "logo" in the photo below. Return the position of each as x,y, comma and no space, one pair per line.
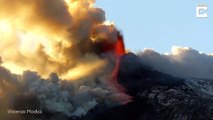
201,11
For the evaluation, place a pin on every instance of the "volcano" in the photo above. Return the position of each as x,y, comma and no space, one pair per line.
71,64
158,96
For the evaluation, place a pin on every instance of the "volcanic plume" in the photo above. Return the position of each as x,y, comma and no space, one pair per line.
62,60
59,35
60,55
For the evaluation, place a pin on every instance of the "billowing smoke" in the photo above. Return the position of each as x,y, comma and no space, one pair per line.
58,56
57,36
62,57
53,95
182,62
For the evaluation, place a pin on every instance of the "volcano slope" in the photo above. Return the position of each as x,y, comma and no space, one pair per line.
158,96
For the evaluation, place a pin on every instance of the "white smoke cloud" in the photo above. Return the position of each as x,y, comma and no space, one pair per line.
182,62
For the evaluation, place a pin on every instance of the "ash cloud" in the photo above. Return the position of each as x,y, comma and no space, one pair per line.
56,37
182,62
57,34
54,95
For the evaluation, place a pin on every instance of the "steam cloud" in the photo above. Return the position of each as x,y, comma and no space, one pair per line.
182,62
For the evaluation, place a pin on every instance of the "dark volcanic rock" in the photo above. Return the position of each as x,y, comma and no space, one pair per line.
158,96
135,76
171,98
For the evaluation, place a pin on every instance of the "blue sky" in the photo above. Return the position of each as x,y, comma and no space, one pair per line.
161,24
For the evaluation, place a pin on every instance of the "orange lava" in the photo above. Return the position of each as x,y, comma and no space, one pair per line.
118,49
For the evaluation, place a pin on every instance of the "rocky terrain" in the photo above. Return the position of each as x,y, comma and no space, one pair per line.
158,96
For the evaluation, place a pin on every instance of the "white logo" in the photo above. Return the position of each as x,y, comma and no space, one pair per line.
201,11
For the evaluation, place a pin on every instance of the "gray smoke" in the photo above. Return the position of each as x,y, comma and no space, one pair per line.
54,95
182,62
60,38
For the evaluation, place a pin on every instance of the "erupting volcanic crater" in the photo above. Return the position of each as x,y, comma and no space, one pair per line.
61,60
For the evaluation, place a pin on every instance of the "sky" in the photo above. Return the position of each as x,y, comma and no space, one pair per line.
161,24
